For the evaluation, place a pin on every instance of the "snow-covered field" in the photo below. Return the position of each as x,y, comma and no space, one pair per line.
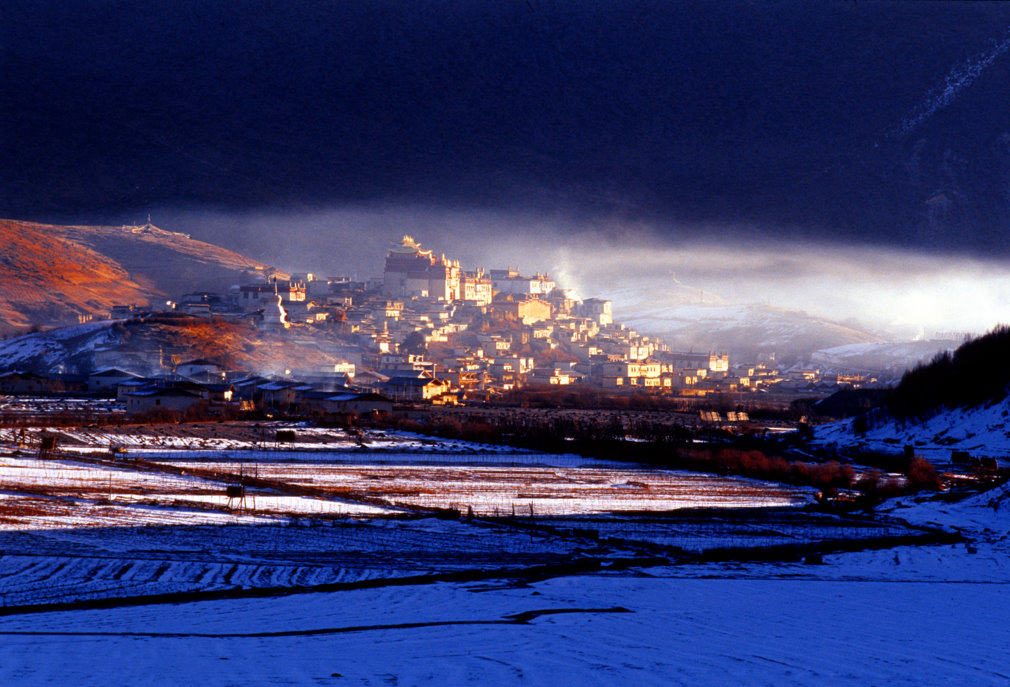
221,437
529,489
70,494
595,630
602,629
114,573
330,474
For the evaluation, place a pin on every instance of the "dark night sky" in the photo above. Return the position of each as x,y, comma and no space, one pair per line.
815,120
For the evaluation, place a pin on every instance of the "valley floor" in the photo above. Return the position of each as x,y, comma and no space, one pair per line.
116,574
600,629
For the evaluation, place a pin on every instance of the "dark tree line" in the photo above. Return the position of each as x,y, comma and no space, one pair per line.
977,372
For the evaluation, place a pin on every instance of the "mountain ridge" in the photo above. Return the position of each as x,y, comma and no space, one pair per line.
53,275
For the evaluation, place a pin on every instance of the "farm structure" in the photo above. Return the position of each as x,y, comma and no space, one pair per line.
148,400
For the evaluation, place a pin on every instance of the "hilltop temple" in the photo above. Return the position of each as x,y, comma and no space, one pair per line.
412,272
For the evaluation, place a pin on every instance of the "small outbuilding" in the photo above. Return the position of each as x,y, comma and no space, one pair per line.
358,403
148,400
108,378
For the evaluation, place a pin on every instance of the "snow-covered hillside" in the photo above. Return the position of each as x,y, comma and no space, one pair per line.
688,318
879,356
57,350
982,431
745,330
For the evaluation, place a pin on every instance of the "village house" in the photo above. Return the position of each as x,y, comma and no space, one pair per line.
503,376
200,368
17,383
280,395
130,386
554,375
511,282
345,368
361,404
391,310
146,360
542,331
525,310
395,364
107,379
561,303
204,303
521,363
716,363
414,388
477,288
466,378
596,309
254,296
152,399
495,345
218,393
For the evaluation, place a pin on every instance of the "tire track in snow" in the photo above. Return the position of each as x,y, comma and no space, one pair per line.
523,618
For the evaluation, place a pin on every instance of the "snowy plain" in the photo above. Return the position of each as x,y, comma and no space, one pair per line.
219,596
606,630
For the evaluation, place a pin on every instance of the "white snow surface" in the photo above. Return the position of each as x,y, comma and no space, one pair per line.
48,350
912,615
606,630
981,430
325,443
75,495
877,356
721,326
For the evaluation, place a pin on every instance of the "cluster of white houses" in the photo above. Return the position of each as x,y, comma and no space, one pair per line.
429,330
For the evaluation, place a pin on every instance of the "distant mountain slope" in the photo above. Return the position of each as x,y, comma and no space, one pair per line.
745,331
164,260
50,275
139,343
46,279
880,357
956,401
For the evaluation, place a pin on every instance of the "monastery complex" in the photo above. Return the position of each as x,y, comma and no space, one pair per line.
427,331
